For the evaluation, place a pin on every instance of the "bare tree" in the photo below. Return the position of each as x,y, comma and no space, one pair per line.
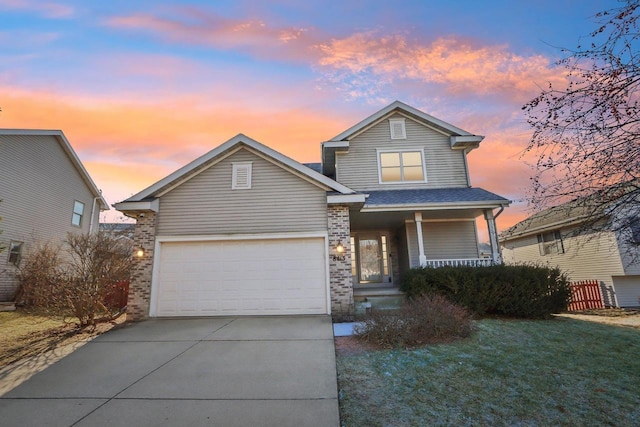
76,278
586,136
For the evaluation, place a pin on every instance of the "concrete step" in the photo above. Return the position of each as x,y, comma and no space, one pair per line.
378,299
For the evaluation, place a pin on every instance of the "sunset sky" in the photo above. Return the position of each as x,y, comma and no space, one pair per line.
140,88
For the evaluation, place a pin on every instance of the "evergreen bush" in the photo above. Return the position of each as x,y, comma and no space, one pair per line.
525,291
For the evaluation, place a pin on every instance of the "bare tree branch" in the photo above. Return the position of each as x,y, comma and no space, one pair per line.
586,136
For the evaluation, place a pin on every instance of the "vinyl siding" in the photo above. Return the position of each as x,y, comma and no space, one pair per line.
629,253
443,240
587,257
628,290
358,169
278,201
38,187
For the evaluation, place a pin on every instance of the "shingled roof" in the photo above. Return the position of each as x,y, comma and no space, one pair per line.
433,196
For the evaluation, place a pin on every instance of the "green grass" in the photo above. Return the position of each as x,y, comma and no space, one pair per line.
557,372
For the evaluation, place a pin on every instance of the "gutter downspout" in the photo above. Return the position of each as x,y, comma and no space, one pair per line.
93,212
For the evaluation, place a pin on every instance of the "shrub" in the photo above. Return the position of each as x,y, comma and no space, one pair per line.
423,320
524,291
77,278
40,275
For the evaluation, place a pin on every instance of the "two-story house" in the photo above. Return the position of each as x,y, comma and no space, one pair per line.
45,193
588,240
247,230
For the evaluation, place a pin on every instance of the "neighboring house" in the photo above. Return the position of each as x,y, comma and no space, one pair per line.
247,230
45,193
586,241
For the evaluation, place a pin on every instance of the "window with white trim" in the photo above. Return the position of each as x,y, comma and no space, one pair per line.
78,213
397,129
241,179
401,166
15,252
550,243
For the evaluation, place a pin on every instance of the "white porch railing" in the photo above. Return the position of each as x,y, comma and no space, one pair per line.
468,262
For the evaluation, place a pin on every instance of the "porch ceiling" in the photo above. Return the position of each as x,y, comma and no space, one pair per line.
394,219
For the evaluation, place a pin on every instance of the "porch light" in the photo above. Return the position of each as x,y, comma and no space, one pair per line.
139,253
340,248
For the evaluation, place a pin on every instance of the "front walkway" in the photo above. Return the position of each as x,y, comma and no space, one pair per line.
270,371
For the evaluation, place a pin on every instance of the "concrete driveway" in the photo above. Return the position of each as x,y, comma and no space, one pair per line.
247,371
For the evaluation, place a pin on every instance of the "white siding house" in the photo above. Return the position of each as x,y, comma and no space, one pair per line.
245,230
45,193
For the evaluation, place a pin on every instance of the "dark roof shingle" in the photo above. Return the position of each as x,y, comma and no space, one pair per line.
433,195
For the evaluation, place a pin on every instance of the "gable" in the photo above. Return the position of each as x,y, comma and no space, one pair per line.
357,166
278,200
39,184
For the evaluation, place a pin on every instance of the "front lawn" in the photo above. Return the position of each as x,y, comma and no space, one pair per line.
23,334
559,372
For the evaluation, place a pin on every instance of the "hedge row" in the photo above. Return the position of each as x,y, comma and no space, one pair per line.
518,291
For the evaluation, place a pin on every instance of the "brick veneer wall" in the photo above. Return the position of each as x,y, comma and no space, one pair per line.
140,288
340,270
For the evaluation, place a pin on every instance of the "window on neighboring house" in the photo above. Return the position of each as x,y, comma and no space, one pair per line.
241,178
78,212
402,166
397,129
15,252
550,243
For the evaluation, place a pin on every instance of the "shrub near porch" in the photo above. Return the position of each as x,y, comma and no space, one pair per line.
518,291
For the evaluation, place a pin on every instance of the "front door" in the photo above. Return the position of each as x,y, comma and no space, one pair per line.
370,260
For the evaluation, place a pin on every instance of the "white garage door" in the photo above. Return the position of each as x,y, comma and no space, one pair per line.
627,290
241,277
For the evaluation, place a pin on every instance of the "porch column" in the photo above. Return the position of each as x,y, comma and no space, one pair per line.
493,236
340,283
422,257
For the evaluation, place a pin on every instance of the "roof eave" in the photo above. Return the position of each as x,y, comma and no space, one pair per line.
142,206
397,105
346,199
541,228
184,171
485,204
465,142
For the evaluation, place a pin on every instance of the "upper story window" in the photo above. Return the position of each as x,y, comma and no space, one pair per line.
401,166
550,243
397,129
241,179
78,213
15,252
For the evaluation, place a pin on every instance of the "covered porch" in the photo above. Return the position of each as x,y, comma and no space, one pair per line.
389,238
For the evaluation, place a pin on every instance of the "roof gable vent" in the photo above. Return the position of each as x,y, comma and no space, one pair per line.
397,128
241,179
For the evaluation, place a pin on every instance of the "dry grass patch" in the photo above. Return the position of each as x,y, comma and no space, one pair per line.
24,334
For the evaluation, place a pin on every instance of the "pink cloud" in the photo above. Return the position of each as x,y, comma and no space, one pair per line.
46,9
458,66
201,27
363,64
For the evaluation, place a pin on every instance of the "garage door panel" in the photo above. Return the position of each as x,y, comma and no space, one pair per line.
245,277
